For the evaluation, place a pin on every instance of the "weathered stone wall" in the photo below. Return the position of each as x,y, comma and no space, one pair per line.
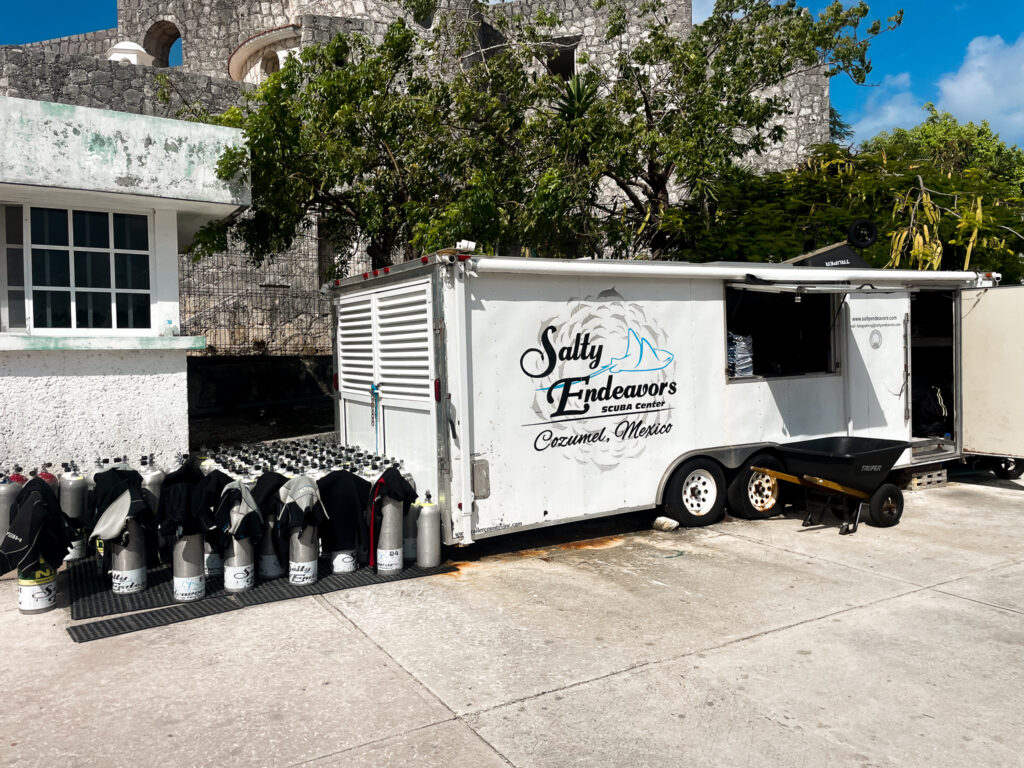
85,81
210,30
88,44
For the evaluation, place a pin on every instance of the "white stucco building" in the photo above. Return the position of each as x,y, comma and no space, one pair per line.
94,208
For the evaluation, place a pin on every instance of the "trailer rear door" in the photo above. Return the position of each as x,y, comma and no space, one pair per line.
992,371
385,376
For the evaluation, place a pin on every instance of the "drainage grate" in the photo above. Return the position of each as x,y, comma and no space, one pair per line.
86,598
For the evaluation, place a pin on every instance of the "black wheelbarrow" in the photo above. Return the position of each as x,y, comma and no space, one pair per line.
844,475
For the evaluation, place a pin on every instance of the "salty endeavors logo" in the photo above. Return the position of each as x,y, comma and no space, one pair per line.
603,375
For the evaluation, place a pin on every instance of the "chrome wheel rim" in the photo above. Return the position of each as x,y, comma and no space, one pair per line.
700,491
762,491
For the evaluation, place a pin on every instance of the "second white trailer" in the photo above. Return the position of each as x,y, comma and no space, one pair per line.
529,392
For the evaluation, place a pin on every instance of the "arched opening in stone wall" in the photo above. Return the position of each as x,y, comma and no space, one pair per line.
271,63
159,40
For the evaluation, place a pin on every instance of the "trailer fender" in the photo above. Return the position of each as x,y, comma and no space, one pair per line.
731,457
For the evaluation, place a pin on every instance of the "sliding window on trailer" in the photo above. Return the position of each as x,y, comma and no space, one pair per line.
779,333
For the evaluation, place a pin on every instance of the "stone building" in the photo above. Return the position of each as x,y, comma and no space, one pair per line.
229,45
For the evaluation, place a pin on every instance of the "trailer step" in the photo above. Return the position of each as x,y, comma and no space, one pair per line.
934,478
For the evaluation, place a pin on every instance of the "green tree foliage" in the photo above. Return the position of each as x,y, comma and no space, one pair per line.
408,146
944,195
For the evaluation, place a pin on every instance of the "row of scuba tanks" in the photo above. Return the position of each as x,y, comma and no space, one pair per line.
257,511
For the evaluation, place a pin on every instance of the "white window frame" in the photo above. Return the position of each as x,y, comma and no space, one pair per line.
27,246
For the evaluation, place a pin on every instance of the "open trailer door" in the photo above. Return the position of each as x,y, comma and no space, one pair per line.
992,371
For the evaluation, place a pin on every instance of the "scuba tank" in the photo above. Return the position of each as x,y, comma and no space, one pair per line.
152,482
188,570
389,540
73,492
9,490
428,534
409,524
48,477
303,551
269,563
128,561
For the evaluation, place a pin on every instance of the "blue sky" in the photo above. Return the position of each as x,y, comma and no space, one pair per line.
967,56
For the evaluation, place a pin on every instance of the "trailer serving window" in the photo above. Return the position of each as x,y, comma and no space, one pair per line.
773,334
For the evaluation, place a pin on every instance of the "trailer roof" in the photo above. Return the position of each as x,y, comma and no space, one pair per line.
734,271
749,273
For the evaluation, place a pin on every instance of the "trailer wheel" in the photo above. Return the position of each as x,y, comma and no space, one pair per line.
695,494
1008,469
886,506
754,495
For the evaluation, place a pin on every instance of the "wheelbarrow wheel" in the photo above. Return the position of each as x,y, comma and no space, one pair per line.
754,495
886,506
1008,469
695,494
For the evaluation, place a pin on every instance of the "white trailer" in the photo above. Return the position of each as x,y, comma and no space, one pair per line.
529,392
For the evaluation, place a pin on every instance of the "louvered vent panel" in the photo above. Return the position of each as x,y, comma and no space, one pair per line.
403,333
355,344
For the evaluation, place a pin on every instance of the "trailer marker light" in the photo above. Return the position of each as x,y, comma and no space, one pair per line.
387,270
337,282
460,505
376,272
365,275
437,390
425,259
464,257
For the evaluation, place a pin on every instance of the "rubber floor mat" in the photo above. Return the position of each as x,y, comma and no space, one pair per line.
84,590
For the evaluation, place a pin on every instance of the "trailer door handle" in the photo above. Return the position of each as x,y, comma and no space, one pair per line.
451,419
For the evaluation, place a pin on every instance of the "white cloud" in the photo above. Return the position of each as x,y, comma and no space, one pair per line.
989,86
892,104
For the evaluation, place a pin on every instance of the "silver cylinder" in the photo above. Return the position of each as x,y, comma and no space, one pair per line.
8,493
343,561
128,562
302,556
409,525
428,540
37,588
389,540
239,566
188,569
74,491
213,561
269,561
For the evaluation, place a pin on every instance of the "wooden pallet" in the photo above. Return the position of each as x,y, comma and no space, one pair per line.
934,478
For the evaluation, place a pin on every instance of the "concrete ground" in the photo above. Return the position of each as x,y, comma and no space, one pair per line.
606,644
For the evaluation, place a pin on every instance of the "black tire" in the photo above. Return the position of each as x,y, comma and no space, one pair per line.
863,233
886,506
1008,468
754,496
695,494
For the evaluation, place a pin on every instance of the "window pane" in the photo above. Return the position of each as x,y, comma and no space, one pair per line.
49,226
51,309
92,310
16,308
50,267
131,270
92,270
131,233
133,310
15,267
12,222
91,229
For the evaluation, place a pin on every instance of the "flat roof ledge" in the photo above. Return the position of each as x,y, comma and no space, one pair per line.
58,146
16,343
